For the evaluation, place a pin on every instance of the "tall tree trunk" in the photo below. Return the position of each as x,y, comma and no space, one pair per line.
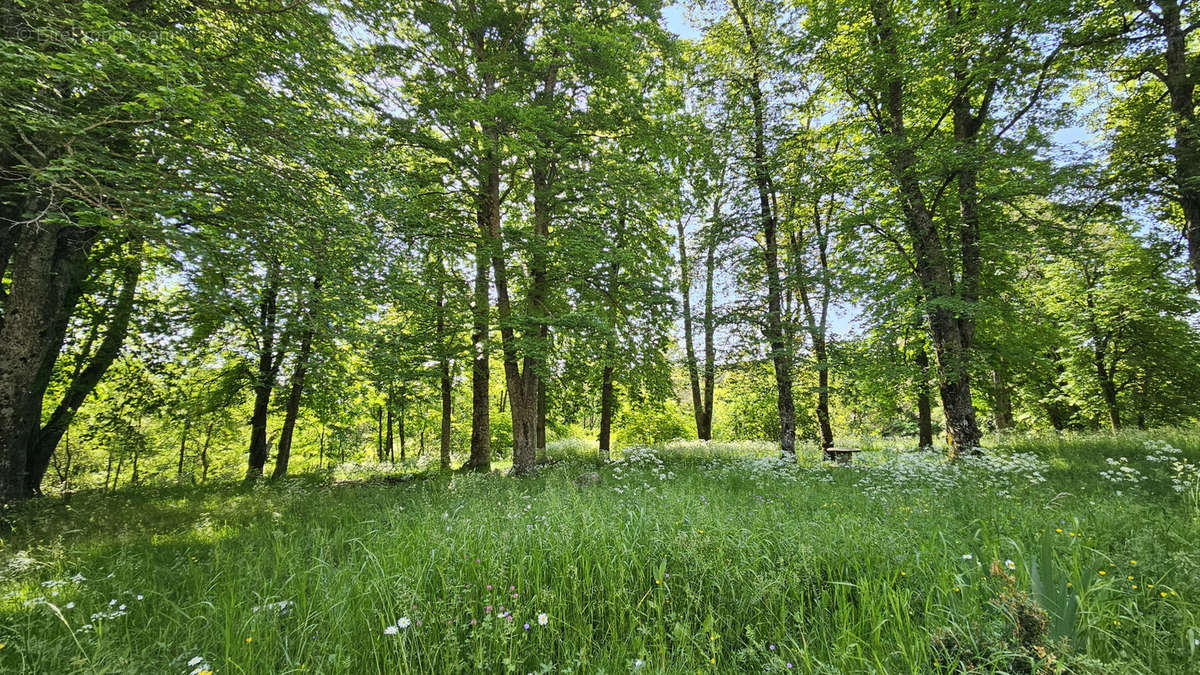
204,452
447,407
606,412
710,327
613,291
187,423
1181,76
379,433
774,329
400,428
685,292
86,378
481,430
292,409
447,385
1002,415
264,379
924,405
523,371
1108,387
932,266
541,415
49,263
817,322
390,443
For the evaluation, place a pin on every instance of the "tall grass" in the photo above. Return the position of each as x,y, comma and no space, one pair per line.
691,557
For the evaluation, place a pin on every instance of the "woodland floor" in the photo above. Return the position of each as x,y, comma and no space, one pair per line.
686,558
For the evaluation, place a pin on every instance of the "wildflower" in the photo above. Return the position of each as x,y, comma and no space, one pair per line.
1102,572
1010,564
789,665
1163,593
122,608
967,556
391,630
70,605
194,660
139,597
1058,530
403,622
638,663
248,639
1132,562
771,647
543,619
489,587
526,625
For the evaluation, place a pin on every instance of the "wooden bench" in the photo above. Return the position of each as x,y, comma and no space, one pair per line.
841,455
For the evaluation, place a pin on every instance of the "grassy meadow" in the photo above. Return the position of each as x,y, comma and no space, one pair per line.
1050,554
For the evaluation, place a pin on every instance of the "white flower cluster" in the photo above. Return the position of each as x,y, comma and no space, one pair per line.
909,472
1162,452
1121,473
638,464
114,611
1163,462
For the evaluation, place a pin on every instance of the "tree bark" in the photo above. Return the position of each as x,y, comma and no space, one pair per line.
606,412
264,380
400,429
817,322
710,350
924,405
187,423
447,385
1108,387
87,378
390,443
685,292
292,409
49,263
481,431
379,433
613,291
541,415
1180,77
1002,415
932,266
523,371
774,329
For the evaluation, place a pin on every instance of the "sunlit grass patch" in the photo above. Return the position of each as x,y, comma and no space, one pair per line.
690,556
